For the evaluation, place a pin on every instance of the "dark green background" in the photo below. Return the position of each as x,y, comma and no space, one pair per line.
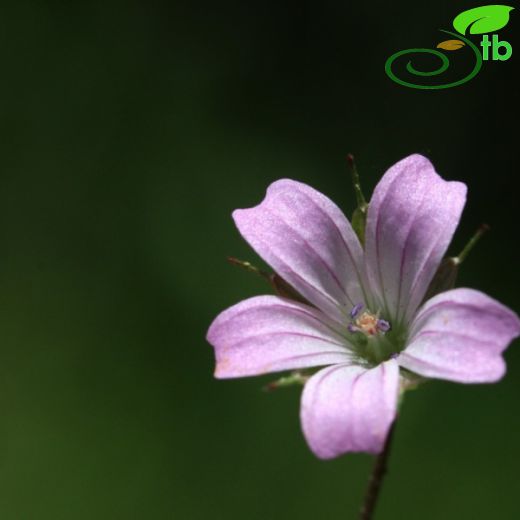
129,132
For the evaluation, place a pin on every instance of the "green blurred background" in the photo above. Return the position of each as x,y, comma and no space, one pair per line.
129,132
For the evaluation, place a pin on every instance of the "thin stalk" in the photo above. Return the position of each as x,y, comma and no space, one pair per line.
376,479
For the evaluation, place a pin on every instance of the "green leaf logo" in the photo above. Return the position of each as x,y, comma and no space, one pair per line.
485,19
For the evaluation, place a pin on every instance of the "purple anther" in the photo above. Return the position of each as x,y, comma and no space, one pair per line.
395,355
383,325
356,310
352,328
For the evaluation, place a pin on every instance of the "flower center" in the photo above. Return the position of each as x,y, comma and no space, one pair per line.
366,322
372,337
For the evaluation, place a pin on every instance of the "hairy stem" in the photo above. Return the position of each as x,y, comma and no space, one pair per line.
376,479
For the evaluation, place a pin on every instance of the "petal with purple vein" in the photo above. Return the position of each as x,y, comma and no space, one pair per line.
308,241
269,334
460,335
349,408
411,219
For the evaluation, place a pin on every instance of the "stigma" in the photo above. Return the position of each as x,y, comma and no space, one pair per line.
367,323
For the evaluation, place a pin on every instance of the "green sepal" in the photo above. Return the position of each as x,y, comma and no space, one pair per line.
445,277
283,289
359,221
359,217
294,378
280,286
408,381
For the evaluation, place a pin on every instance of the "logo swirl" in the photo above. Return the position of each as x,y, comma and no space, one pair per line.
439,70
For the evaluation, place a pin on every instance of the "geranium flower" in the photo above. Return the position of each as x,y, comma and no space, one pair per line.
365,319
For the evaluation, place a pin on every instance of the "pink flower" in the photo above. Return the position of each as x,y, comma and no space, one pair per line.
366,319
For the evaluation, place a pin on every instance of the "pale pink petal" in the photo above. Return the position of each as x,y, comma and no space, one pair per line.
460,335
268,334
411,219
308,241
349,408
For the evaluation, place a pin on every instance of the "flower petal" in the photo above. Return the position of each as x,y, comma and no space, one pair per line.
268,334
459,335
349,408
411,219
308,241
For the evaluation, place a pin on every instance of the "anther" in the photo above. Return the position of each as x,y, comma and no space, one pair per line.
352,328
383,325
356,310
367,323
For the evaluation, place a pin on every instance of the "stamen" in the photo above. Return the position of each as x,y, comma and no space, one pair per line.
356,310
383,325
367,323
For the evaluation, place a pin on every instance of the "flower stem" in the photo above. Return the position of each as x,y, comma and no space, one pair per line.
376,478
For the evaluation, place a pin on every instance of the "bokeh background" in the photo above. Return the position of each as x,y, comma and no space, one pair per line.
129,132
